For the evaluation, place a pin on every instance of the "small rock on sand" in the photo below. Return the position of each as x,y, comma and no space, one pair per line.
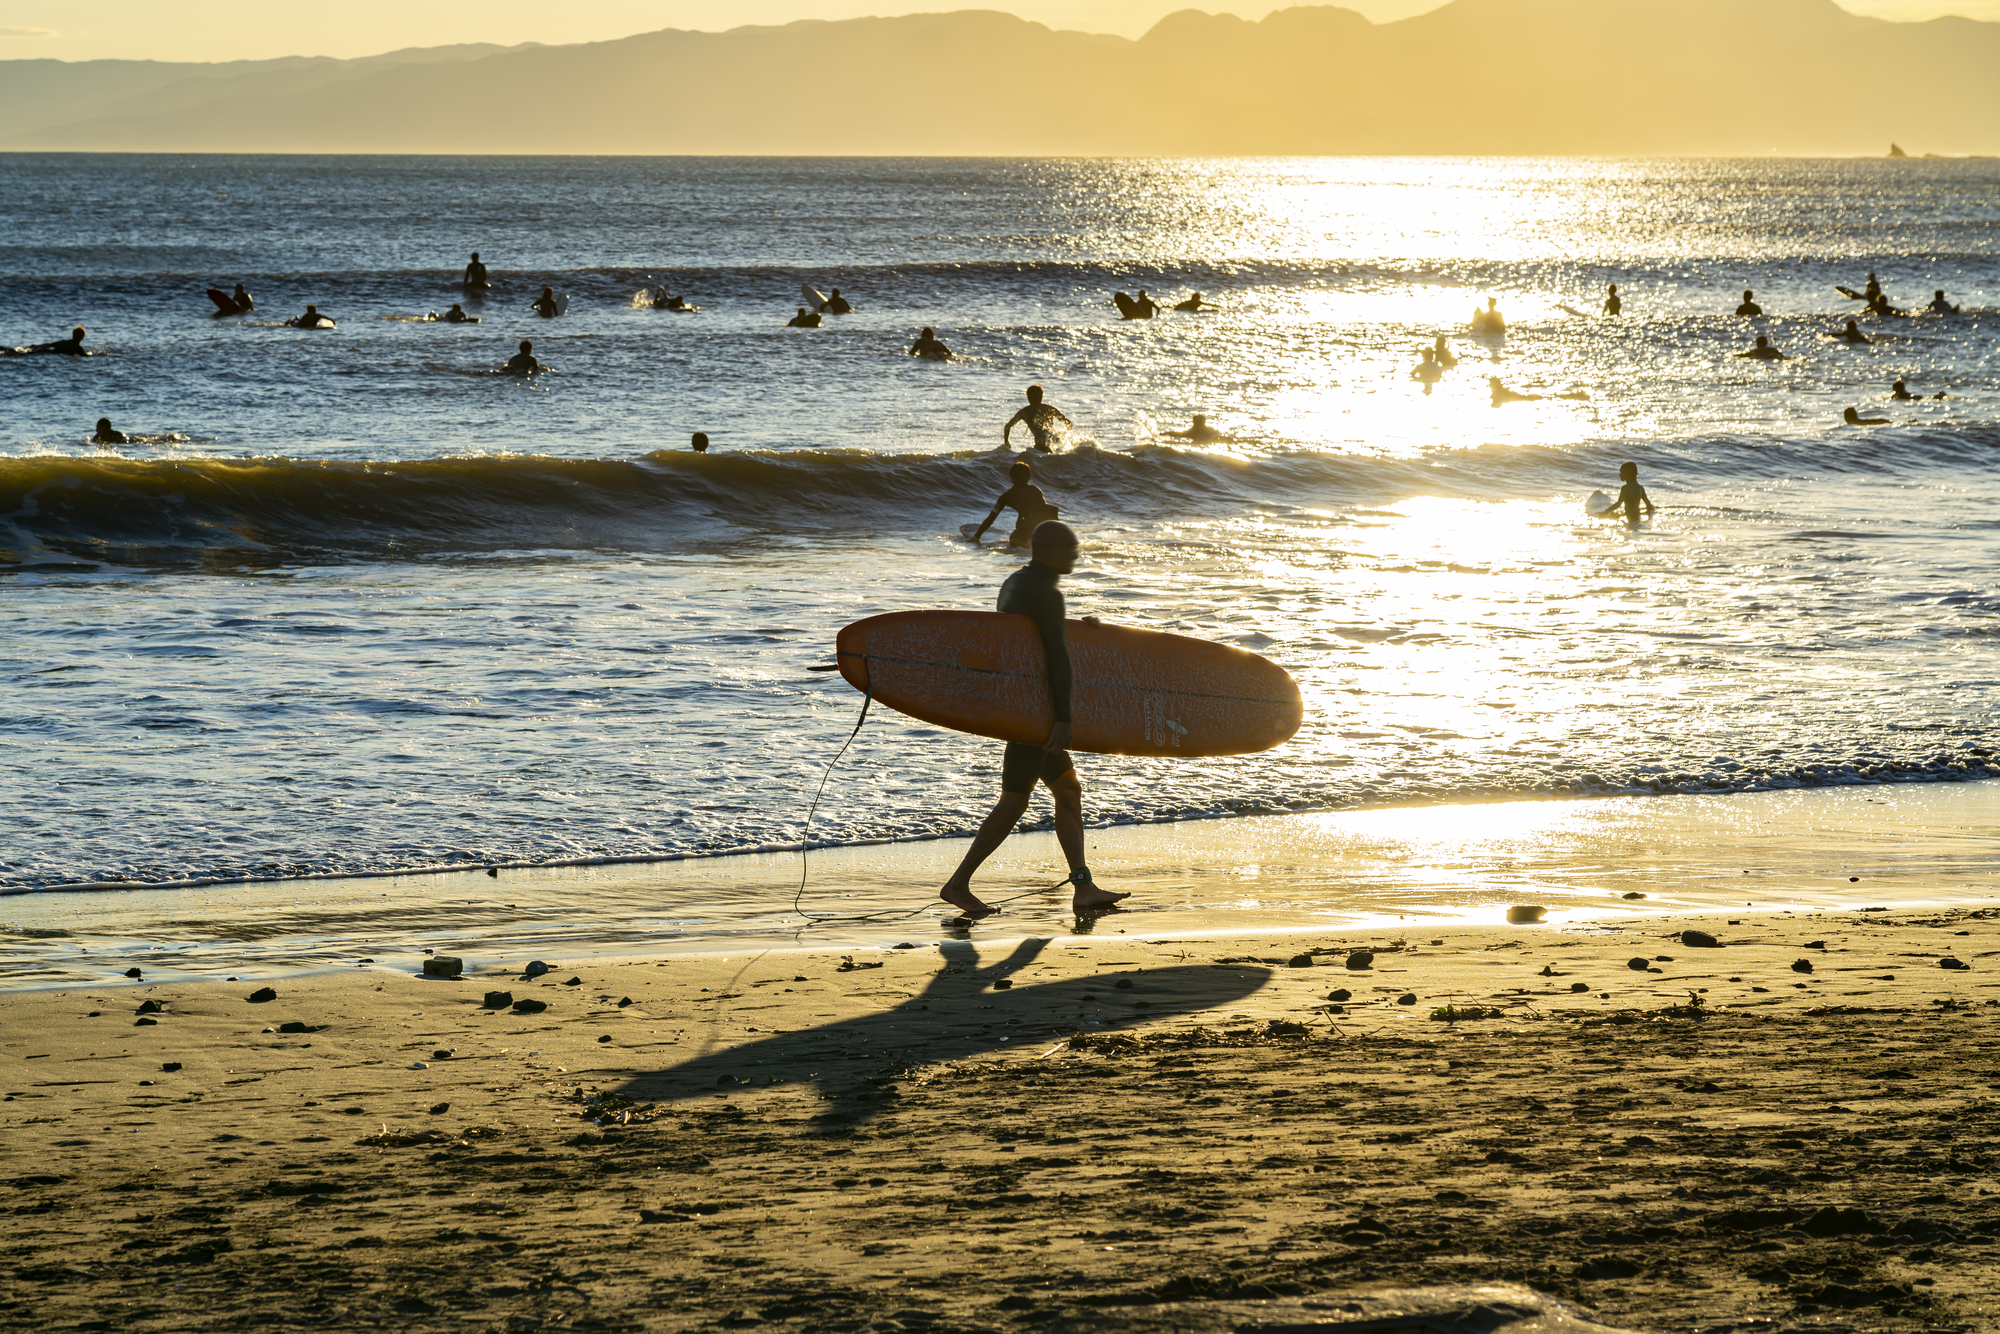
133,972
1949,962
1523,913
1005,984
1633,895
605,1038
1407,998
443,965
440,1108
530,1006
1579,986
1802,966
148,1007
573,982
497,1000
1299,961
261,995
1638,965
1700,940
535,968
1339,994
1360,959
170,1066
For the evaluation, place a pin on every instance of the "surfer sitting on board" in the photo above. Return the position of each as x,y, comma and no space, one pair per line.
836,304
546,304
1489,320
108,434
241,296
1032,591
523,363
475,273
71,346
1852,334
928,347
457,315
1030,507
805,319
1039,418
1879,305
1630,496
312,319
1762,352
1940,306
1749,306
1612,305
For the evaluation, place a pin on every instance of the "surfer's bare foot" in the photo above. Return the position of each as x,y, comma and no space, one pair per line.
1089,898
962,898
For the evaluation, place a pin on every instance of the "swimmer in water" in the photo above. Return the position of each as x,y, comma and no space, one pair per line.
1201,433
1852,334
545,305
1041,421
1749,306
107,435
1502,394
523,363
664,301
928,347
1612,305
1900,392
1194,304
1630,497
1031,508
475,273
836,304
71,346
1443,354
805,319
457,315
1762,352
700,442
1940,306
1489,320
1853,418
1428,369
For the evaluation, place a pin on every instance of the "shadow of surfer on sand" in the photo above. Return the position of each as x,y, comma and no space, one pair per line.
958,1014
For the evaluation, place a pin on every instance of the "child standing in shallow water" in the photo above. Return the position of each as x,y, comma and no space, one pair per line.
1630,496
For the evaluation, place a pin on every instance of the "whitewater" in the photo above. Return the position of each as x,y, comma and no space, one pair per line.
351,602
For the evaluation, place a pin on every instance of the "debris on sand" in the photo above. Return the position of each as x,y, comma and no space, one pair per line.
261,996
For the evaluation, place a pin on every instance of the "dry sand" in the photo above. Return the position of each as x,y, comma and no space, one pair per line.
1009,1136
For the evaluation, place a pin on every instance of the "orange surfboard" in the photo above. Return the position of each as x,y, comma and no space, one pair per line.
1136,692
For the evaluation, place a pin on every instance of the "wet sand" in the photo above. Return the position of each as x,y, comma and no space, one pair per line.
1105,1132
1908,844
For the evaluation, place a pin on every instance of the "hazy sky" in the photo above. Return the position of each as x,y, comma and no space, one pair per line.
259,29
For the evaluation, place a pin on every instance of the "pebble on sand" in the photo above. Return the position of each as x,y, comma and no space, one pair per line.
1360,959
1638,965
498,1000
1949,962
1802,966
1700,940
443,965
530,1006
261,995
1339,994
170,1066
133,972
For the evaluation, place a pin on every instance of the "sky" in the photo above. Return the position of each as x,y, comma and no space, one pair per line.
263,29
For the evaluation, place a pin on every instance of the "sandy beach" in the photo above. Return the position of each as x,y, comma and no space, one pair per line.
1793,1129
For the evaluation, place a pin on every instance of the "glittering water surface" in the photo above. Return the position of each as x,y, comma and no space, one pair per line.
378,608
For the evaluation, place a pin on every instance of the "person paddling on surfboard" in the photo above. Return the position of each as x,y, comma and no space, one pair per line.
1630,497
1032,591
71,346
523,363
1040,419
107,434
1031,507
805,319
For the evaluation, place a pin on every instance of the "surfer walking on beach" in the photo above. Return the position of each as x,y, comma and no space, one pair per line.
1033,591
1040,419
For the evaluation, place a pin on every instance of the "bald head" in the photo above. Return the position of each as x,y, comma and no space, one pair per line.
1055,545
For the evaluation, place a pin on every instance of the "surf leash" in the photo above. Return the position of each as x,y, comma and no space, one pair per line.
805,836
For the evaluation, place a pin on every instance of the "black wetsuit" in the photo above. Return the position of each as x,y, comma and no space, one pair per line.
1030,507
1032,591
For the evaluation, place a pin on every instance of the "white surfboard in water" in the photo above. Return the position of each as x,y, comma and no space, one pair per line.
1596,504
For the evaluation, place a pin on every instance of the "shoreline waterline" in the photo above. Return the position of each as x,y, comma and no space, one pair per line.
1408,867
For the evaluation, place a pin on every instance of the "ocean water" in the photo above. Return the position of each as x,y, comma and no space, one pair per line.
353,603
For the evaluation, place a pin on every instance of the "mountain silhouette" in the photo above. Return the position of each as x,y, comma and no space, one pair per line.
1630,77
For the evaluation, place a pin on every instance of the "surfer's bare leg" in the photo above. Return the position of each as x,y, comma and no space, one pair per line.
1068,794
999,823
